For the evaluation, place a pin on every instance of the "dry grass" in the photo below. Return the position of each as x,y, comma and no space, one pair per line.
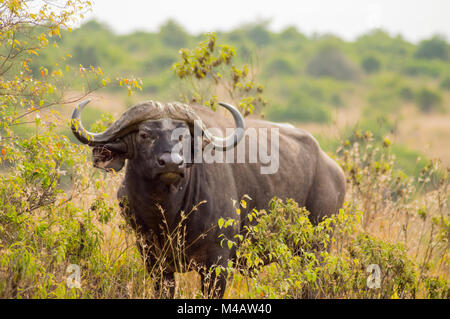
114,268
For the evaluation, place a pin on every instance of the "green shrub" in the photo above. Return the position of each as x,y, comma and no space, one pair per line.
258,34
301,108
445,83
331,62
437,288
280,66
434,48
428,100
406,93
303,269
371,64
382,42
419,68
291,33
209,68
173,35
299,114
398,274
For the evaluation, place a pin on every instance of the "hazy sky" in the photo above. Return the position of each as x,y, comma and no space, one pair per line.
414,19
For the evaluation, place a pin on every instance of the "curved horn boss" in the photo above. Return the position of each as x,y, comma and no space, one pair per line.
129,120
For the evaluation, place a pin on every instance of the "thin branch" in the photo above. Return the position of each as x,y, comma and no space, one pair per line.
52,104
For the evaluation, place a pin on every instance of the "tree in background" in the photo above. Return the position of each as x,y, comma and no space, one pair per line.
371,64
331,62
428,100
208,71
434,48
173,34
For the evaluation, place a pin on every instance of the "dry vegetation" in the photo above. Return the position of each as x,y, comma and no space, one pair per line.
56,210
389,219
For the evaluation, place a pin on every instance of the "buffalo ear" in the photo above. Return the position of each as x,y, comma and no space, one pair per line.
110,156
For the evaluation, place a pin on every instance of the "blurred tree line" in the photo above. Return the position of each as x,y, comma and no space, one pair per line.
305,78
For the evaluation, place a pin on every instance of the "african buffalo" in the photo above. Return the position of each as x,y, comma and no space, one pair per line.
159,179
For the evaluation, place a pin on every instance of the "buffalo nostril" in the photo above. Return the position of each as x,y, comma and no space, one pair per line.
161,162
169,160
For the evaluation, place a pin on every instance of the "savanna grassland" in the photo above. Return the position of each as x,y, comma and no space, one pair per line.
379,105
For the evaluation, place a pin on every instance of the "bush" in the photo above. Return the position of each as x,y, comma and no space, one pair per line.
291,33
398,274
86,55
434,48
437,288
301,108
44,226
303,269
381,42
406,93
418,68
318,114
331,62
371,64
445,83
258,34
173,35
209,69
428,100
382,223
280,66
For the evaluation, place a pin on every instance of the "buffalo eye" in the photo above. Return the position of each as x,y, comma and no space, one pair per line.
144,136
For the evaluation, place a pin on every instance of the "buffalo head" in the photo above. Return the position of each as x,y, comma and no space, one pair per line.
153,137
